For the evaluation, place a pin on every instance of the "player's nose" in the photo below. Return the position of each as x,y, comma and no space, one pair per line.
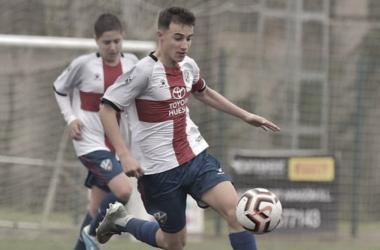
185,46
112,46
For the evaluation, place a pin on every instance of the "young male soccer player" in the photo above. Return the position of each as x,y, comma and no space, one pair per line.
169,155
88,76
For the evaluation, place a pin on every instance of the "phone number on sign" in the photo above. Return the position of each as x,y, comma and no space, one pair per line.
300,218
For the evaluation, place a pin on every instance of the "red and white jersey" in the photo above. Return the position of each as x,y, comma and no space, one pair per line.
156,100
88,77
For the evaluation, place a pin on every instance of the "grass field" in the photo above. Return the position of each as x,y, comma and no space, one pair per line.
63,236
58,239
212,244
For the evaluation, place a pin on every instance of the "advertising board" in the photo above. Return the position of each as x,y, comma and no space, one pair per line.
305,184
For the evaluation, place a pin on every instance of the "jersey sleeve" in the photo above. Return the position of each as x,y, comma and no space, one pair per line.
69,78
64,104
199,84
126,88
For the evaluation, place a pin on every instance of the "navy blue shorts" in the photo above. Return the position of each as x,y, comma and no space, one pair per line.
164,194
102,166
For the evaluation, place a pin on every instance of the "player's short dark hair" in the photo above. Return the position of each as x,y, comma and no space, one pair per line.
107,22
177,15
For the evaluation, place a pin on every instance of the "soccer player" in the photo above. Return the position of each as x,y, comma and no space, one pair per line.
88,77
168,154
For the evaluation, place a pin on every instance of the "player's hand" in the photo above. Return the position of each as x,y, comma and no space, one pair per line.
76,129
261,122
131,166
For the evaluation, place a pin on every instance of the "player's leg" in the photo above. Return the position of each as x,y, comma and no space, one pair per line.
163,200
117,221
223,199
120,192
212,187
172,241
108,184
97,195
80,244
94,201
150,233
121,186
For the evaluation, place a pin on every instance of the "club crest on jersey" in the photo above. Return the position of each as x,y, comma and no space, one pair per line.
106,164
160,217
97,77
186,76
128,80
178,92
162,83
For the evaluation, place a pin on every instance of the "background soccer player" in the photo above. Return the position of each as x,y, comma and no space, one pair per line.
87,77
169,155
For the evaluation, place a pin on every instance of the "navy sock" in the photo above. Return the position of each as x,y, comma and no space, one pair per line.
142,230
80,244
109,198
243,241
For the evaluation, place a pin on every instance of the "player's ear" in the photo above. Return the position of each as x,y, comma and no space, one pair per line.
96,40
159,34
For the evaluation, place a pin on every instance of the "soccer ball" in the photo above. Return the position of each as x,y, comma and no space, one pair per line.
259,211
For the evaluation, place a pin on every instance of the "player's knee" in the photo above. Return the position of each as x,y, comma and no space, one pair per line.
230,216
124,193
178,245
121,187
175,241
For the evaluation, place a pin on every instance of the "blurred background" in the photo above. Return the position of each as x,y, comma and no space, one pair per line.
310,66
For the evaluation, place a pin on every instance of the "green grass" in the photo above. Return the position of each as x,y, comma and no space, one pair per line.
64,239
212,243
64,236
10,214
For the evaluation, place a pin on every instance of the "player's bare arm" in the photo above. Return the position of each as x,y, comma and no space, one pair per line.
111,127
219,102
261,122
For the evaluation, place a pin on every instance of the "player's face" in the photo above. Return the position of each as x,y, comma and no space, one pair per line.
176,42
110,45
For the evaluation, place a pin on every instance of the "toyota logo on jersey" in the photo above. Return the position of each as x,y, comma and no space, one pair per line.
179,93
178,106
